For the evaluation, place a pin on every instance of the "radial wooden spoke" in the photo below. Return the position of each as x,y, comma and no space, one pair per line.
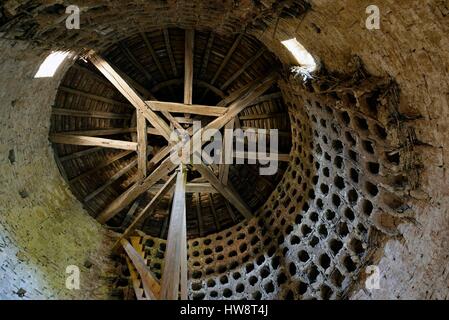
226,191
190,188
80,154
188,66
131,95
184,108
174,256
170,52
242,69
93,142
225,156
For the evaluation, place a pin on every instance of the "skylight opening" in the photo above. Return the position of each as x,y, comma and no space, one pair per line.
51,64
306,62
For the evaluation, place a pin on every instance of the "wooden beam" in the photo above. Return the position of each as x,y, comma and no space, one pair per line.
174,253
188,66
94,96
262,116
99,132
226,158
93,142
149,281
142,144
267,97
183,108
230,211
131,95
170,52
135,280
242,69
224,190
191,187
89,114
131,212
149,208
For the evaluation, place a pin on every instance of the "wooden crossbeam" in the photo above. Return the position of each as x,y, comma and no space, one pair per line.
130,94
109,132
174,255
93,142
149,208
184,108
150,284
89,114
262,116
227,193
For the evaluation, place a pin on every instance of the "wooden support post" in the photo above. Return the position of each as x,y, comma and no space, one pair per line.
174,256
142,144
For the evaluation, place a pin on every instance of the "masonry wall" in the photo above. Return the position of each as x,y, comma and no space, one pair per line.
43,228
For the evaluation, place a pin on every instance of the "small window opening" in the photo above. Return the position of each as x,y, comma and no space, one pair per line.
51,64
306,62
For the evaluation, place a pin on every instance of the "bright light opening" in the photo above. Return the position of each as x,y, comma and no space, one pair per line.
305,60
51,64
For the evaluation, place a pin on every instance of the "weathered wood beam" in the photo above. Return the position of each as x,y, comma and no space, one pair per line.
191,187
174,258
267,97
101,165
184,108
131,212
149,208
230,210
142,144
94,96
188,66
224,190
149,281
93,142
262,116
226,158
170,52
135,280
89,114
131,95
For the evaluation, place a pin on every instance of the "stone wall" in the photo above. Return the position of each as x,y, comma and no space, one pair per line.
43,228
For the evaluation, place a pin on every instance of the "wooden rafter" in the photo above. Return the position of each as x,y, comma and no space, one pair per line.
174,256
93,142
89,114
191,187
135,62
80,154
206,55
94,97
214,212
196,82
142,143
188,66
189,109
153,55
